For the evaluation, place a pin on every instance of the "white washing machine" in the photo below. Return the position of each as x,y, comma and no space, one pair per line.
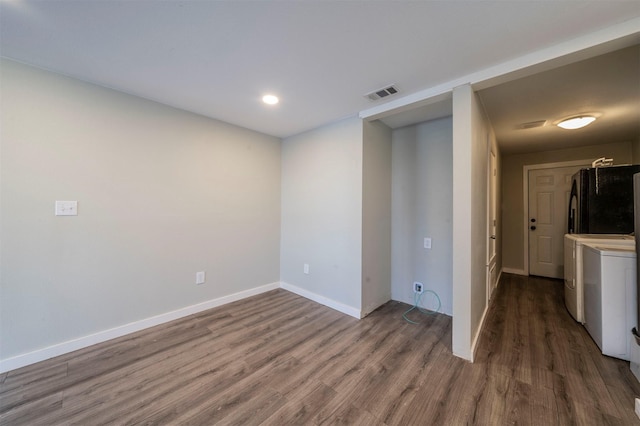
610,306
573,286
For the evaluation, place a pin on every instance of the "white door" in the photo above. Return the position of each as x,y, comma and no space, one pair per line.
549,191
491,225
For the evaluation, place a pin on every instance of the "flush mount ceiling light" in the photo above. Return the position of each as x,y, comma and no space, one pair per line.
577,122
270,99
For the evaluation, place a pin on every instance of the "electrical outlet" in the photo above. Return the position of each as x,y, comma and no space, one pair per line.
306,268
66,208
417,287
200,277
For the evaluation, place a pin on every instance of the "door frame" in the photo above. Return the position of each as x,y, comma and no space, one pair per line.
492,229
525,197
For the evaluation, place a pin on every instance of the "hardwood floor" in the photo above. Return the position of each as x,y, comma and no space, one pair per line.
279,359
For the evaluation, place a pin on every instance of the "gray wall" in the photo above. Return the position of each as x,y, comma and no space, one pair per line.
512,192
376,216
162,194
322,212
635,148
422,207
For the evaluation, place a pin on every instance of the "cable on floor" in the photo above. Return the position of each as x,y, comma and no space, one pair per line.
416,305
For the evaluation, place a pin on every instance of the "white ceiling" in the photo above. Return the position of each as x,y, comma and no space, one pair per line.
607,85
217,58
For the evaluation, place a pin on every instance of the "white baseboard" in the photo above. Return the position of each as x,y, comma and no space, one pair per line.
341,307
493,293
476,338
102,336
513,271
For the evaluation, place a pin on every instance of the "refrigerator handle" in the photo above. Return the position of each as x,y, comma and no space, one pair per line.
571,216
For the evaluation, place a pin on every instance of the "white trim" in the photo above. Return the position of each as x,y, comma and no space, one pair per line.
491,257
490,284
609,39
525,199
102,336
333,304
513,271
476,338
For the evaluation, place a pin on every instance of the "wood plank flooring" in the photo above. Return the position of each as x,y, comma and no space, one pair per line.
279,359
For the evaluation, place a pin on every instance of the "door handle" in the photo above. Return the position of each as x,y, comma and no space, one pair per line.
493,237
533,228
533,221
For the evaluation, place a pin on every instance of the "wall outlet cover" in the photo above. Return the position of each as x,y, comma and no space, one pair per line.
66,208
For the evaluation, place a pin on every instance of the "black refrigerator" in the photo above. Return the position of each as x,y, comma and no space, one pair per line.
601,200
635,342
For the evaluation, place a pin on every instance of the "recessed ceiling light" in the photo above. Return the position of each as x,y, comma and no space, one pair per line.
270,99
576,122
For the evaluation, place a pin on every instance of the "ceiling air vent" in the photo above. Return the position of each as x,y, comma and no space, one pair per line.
382,93
532,124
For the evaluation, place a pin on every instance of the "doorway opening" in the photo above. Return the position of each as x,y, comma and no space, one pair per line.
548,206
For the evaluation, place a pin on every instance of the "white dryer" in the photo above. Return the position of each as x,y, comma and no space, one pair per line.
610,297
573,282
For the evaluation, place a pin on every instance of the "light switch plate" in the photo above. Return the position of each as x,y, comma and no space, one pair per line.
66,208
200,277
427,243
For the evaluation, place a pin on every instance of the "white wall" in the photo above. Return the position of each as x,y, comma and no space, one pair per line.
480,146
471,134
322,214
162,194
422,207
376,216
